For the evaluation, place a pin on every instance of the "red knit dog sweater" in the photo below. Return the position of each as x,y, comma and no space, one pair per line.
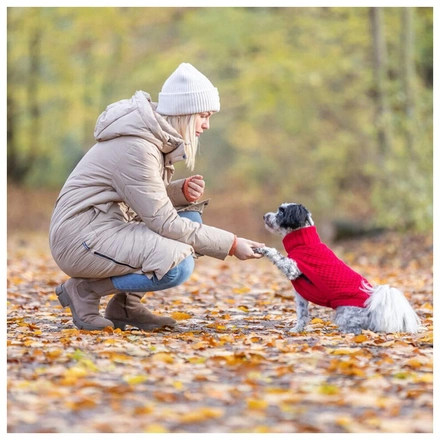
327,280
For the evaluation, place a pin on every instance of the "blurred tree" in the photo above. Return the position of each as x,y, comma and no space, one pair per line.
380,69
408,76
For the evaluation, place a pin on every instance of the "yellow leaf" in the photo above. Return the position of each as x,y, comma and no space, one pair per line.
163,357
241,290
243,308
347,350
119,357
343,421
425,378
134,380
360,338
178,385
257,404
88,365
156,427
427,306
413,362
428,338
180,316
201,415
327,388
111,341
196,360
262,429
316,321
402,375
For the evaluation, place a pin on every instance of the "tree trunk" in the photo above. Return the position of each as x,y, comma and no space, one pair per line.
408,76
383,114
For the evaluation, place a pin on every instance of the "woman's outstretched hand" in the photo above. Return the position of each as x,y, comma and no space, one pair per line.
244,249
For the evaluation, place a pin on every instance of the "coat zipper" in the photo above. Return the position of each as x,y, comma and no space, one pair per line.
107,257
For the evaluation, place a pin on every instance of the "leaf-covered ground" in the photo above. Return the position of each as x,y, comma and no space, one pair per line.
231,365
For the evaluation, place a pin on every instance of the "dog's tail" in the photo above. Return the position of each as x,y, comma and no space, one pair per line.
389,311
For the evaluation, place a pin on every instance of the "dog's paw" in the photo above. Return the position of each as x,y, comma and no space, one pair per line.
297,329
266,251
356,330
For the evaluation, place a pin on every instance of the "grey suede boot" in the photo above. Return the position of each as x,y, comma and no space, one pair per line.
83,295
126,308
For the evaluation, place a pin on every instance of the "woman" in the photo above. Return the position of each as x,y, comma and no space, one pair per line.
120,224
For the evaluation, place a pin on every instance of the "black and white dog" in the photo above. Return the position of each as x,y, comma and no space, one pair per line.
319,276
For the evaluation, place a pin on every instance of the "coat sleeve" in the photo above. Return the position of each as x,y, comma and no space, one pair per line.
138,181
175,193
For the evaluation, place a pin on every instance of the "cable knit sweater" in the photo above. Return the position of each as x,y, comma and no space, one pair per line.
326,280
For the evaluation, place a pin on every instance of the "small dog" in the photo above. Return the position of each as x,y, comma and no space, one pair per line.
319,276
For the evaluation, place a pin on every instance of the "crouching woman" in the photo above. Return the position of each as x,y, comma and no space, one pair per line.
120,225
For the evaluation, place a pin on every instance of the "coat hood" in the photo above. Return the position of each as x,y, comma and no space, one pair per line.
137,116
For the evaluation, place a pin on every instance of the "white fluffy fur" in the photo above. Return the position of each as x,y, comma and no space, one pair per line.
390,311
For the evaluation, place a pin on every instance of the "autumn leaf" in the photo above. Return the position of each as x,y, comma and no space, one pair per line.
134,380
257,404
201,415
180,316
163,357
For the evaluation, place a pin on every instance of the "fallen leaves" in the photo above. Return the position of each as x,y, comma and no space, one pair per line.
231,364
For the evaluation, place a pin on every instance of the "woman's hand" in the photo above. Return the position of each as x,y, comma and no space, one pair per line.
244,249
194,187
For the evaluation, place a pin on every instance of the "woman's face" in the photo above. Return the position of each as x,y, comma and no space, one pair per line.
202,122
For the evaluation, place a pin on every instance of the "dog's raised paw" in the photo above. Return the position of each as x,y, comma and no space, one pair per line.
266,251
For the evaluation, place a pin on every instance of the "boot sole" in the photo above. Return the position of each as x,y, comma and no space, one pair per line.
122,325
64,300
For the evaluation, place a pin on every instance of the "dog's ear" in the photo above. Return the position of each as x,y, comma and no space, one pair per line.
294,217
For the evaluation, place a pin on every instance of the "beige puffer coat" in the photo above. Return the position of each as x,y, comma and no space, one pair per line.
131,165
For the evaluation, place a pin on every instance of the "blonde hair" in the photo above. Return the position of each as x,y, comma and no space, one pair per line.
185,125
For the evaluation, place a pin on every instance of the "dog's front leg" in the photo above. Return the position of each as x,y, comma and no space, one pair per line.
284,264
302,314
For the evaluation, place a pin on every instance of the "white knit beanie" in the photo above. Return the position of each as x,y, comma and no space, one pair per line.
187,91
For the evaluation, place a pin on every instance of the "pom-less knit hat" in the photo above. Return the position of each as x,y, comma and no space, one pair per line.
187,91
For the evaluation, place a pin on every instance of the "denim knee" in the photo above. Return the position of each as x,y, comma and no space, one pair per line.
194,216
178,274
135,282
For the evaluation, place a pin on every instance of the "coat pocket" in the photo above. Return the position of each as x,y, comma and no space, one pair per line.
107,257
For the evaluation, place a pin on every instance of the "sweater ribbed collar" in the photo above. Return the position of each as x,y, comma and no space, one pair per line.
303,236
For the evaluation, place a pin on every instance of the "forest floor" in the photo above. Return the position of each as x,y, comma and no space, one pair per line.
231,365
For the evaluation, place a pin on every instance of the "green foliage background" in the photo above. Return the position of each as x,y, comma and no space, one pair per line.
297,91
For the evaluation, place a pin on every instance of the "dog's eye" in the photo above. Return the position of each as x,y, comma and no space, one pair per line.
281,209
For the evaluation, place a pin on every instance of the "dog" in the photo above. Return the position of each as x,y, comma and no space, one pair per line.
319,276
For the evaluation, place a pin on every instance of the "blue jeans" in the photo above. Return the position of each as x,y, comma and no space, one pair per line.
135,282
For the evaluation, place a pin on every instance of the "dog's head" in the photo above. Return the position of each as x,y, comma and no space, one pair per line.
290,216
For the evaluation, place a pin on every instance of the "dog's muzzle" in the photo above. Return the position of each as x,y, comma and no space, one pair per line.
269,220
